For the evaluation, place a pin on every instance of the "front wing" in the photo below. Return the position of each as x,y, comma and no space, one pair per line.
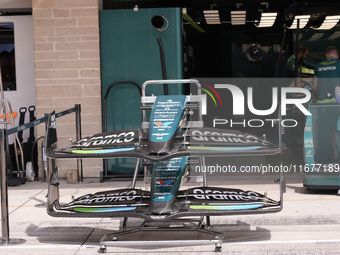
134,143
198,201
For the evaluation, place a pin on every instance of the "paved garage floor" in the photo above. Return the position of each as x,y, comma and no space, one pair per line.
308,224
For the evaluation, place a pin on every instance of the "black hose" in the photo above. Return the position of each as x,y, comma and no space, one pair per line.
296,51
107,94
161,50
280,53
105,161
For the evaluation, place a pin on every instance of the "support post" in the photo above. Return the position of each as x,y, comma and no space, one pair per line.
5,240
296,51
135,174
78,137
47,173
4,191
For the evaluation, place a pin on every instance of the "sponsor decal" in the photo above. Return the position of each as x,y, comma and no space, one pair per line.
161,134
223,137
327,68
226,195
165,117
309,144
168,182
106,197
162,124
116,138
308,154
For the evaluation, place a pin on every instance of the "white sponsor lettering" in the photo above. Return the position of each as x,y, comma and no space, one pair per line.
107,198
108,139
223,137
327,68
225,195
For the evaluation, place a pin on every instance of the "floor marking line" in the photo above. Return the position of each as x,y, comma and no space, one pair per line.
76,246
284,242
67,246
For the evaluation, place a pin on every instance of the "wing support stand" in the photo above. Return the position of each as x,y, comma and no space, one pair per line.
202,228
159,223
117,239
120,237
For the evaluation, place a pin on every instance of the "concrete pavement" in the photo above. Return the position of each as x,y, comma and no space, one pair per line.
308,224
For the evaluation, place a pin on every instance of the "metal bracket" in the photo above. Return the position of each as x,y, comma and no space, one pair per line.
116,239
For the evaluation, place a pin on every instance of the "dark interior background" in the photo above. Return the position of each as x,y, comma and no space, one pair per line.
221,50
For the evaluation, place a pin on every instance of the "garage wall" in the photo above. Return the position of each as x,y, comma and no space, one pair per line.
24,95
67,69
135,57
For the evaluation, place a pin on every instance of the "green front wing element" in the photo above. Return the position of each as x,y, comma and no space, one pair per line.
233,149
198,201
104,209
226,207
133,143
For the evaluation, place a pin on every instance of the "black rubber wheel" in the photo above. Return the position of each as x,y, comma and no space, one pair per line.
218,249
23,177
102,250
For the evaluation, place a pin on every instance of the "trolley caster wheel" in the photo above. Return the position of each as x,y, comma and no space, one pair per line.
115,238
218,249
102,250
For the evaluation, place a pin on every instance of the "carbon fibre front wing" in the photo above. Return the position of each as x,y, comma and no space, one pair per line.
134,143
199,201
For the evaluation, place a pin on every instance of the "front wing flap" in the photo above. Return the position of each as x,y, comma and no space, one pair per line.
134,143
199,201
